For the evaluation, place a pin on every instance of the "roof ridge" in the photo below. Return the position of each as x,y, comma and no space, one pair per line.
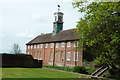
68,29
44,34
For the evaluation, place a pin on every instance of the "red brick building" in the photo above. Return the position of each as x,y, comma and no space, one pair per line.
56,48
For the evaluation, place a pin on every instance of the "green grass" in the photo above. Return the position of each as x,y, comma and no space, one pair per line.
35,73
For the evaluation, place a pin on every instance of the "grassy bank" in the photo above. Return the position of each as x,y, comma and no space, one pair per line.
35,73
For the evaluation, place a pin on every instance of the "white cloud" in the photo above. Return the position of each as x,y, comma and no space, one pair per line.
38,18
2,35
25,35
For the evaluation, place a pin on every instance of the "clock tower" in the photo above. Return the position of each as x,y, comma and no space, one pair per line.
58,23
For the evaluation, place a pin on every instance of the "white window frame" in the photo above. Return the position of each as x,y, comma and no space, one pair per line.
34,46
57,45
68,56
46,45
40,45
51,45
31,46
62,44
28,46
68,44
76,57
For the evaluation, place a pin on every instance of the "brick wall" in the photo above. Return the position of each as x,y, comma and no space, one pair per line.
56,55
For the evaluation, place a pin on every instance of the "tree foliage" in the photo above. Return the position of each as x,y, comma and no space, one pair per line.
99,29
16,48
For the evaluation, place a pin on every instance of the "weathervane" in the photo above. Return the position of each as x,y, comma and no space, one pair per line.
58,8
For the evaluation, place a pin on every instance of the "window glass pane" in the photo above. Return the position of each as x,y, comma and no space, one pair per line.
31,46
40,45
68,44
68,56
75,56
57,45
28,46
34,46
62,44
46,46
52,44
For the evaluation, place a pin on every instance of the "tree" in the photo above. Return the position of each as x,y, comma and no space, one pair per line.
99,30
16,48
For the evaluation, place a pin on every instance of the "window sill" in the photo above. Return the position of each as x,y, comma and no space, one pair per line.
68,46
75,60
68,59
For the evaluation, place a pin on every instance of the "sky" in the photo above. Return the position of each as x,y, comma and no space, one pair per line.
23,20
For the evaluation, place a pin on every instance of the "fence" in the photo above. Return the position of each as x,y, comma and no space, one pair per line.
17,60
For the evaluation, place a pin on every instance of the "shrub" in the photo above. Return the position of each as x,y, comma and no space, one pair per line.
80,69
59,68
115,73
68,69
90,70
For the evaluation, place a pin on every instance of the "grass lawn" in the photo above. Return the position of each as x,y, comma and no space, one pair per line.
35,73
38,74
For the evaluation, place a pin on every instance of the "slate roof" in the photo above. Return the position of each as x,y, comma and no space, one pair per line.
64,35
